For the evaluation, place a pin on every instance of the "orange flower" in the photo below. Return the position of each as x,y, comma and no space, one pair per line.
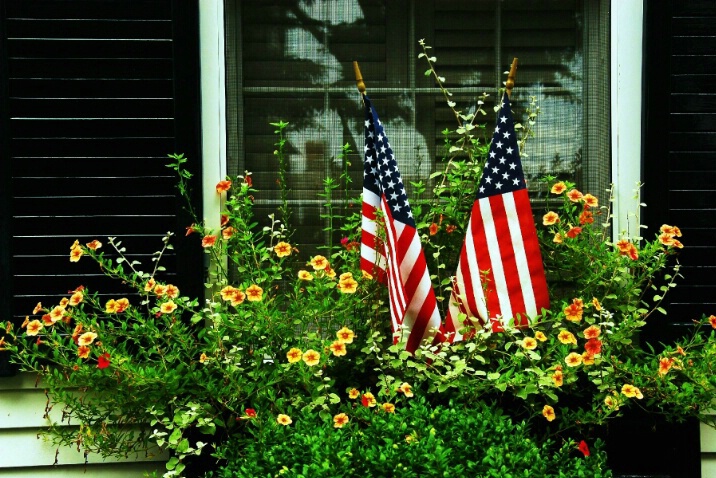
311,357
631,391
573,312
122,305
596,304
294,355
223,220
172,291
712,321
406,389
353,393
83,351
160,290
76,333
338,348
539,335
670,230
345,335
665,365
626,248
368,400
223,186
666,239
348,286
76,298
340,420
305,275
168,307
94,245
237,298
47,320
558,188
566,337
529,343
329,272
111,306
592,332
227,293
548,413
586,217
37,308
388,407
433,229
590,201
574,195
25,322
87,338
587,359
550,218
282,249
254,293
574,359
33,327
574,232
450,228
319,263
593,346
149,285
75,254
557,378
557,239
228,232
284,420
208,241
203,358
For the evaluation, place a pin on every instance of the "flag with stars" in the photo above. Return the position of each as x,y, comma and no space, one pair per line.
500,275
390,244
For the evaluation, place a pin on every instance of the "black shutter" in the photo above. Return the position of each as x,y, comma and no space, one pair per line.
95,95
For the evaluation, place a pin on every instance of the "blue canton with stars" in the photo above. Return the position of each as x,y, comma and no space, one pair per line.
503,170
380,170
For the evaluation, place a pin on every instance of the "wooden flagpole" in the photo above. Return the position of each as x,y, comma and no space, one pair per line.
510,78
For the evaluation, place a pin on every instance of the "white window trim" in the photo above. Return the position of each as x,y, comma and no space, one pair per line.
213,107
627,18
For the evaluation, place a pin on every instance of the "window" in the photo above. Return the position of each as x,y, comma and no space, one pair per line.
293,61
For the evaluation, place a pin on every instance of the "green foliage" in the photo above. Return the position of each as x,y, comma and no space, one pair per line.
210,377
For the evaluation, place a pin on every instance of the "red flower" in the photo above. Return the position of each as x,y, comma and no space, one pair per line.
593,346
434,229
223,186
103,361
574,232
250,412
208,241
583,448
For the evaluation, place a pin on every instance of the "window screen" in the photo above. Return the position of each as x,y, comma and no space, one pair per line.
292,60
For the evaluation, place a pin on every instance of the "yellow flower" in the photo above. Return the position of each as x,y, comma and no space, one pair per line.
574,359
574,195
388,407
611,402
94,245
122,305
348,286
83,351
345,276
75,254
338,348
33,327
592,332
172,291
368,400
238,298
37,308
149,286
254,293
227,293
558,188
557,239
631,391
305,275
111,306
587,358
540,336
283,419
665,365
366,275
203,358
353,393
340,420
311,357
566,337
590,200
596,304
548,413
87,338
550,219
168,307
294,355
529,343
406,389
319,263
76,298
282,249
345,335
160,290
57,313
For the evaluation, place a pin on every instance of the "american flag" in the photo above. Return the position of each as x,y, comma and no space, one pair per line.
393,254
500,275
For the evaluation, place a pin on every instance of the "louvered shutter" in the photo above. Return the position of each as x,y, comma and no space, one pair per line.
96,94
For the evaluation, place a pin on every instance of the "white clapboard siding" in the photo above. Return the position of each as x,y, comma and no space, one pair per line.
25,453
708,451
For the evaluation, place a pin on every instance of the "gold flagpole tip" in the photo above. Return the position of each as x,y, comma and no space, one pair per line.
511,77
359,78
